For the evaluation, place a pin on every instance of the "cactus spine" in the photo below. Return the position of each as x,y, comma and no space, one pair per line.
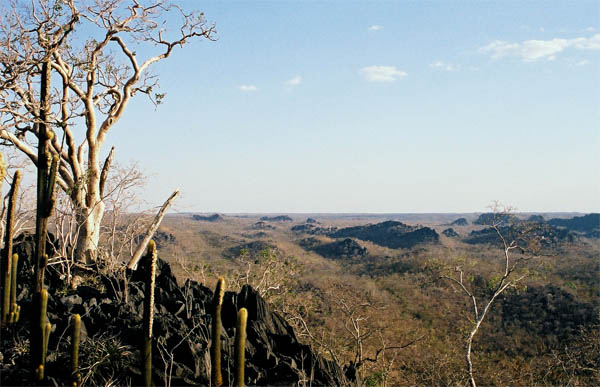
7,258
240,346
75,375
215,350
149,313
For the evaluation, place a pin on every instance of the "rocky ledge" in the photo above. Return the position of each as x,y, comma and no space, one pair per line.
111,314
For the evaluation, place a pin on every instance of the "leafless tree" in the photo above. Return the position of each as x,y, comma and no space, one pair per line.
507,278
95,81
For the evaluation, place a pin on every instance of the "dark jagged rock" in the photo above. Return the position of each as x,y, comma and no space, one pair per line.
182,326
589,223
450,233
208,218
460,222
262,226
161,238
491,218
311,220
390,234
311,229
280,218
547,235
252,249
343,249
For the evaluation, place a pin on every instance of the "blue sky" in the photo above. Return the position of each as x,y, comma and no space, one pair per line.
377,107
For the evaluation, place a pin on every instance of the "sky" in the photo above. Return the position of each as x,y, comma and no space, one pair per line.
376,107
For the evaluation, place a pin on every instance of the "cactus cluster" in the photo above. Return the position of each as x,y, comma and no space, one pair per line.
41,327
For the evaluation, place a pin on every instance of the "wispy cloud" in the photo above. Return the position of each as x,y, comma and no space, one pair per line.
295,81
375,27
533,50
444,66
382,73
584,62
248,88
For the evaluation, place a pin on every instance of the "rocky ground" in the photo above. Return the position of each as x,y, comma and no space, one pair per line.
111,310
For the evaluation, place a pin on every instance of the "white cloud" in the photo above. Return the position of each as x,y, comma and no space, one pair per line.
382,73
533,50
444,66
248,88
294,81
584,62
375,27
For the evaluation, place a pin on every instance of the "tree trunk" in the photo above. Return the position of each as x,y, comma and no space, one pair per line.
88,221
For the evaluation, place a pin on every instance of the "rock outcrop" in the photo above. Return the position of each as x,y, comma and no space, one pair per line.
279,218
460,222
112,331
390,234
208,218
342,249
588,224
450,233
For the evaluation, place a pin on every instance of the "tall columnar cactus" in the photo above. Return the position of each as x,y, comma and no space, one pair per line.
39,363
45,205
15,309
149,313
215,349
75,375
240,346
7,257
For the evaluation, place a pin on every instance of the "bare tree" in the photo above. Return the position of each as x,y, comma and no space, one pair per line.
97,78
512,239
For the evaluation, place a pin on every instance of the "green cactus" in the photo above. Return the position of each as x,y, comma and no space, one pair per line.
44,332
15,309
7,258
215,349
149,314
75,375
47,167
240,346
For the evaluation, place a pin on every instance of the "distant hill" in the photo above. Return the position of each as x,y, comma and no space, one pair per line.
342,249
587,223
547,235
490,218
390,234
460,222
450,233
536,219
280,218
208,218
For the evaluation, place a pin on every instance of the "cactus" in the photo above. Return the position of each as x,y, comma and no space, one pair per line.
240,346
7,258
44,332
75,375
15,309
149,314
215,350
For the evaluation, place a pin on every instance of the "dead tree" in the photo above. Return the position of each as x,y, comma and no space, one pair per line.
95,81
